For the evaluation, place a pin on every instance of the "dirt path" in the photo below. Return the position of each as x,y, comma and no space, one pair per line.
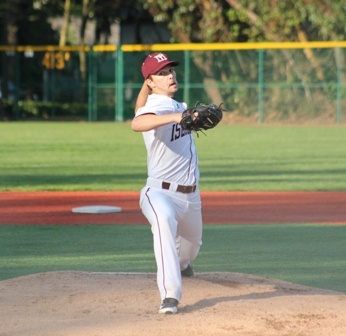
218,207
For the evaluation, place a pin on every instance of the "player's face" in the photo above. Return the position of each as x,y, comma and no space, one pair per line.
164,82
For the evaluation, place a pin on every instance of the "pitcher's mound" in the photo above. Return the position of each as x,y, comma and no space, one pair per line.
109,304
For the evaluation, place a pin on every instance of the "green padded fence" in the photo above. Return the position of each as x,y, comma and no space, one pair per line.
262,82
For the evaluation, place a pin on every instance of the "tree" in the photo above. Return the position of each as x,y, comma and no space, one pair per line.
248,20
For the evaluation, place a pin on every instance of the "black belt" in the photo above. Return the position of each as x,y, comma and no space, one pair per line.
180,188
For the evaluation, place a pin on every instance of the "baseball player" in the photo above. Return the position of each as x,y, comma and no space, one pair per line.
170,199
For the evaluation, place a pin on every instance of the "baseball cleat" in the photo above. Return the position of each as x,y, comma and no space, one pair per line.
169,306
188,271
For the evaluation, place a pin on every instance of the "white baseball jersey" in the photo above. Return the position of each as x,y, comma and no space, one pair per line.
171,150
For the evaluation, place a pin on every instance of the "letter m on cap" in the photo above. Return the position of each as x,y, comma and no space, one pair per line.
161,58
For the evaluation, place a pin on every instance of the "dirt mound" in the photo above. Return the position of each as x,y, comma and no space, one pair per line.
109,304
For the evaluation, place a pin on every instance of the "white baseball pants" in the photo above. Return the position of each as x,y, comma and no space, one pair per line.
176,225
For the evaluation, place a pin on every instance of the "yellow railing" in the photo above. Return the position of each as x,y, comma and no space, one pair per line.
183,46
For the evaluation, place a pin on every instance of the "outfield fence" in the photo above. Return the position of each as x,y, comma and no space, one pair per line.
263,82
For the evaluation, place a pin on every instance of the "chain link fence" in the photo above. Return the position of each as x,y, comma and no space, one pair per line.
256,82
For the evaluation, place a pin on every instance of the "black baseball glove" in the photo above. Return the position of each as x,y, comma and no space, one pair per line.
201,118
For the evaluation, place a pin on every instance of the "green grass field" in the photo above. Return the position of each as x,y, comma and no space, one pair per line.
109,156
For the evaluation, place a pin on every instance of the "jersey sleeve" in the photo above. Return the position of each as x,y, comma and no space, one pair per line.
159,105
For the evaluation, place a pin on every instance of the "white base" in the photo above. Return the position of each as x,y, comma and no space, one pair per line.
96,209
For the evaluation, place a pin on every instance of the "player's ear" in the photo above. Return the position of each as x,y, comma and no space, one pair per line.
150,83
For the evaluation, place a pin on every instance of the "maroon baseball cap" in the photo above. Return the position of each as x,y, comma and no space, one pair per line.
155,62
